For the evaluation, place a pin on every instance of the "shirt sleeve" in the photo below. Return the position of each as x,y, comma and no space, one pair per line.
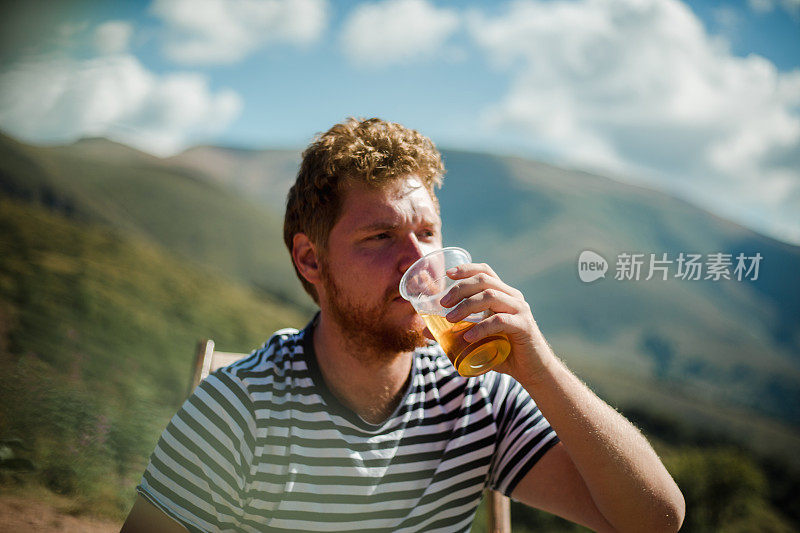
198,473
524,434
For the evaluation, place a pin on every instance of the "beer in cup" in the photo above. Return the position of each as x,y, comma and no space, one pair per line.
424,284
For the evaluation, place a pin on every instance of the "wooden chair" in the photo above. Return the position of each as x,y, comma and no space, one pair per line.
207,359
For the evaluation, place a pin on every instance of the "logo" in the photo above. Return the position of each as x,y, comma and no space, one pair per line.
591,266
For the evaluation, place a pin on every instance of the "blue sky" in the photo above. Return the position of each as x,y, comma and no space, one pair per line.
700,99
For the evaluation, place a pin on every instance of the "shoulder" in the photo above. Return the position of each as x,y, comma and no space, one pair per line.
272,361
282,346
282,342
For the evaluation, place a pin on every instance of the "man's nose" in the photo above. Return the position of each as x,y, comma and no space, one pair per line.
412,250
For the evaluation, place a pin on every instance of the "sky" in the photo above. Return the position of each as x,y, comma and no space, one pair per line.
700,99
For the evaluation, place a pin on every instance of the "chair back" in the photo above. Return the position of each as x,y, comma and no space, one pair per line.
207,359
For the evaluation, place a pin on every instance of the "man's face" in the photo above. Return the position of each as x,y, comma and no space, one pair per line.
380,233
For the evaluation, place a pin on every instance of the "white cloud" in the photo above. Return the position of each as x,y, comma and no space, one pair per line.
765,6
396,31
761,6
728,19
639,87
113,37
226,31
60,100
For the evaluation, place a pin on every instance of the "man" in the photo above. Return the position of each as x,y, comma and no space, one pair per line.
358,422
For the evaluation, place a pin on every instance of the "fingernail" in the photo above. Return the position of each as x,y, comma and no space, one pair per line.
468,336
451,271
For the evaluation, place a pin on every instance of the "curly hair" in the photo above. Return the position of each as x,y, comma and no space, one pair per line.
373,152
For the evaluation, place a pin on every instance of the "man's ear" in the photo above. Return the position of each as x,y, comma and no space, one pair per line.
306,259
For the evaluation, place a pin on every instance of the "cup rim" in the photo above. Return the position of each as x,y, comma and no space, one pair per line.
434,252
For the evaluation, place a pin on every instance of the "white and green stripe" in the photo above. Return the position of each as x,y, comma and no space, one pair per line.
263,445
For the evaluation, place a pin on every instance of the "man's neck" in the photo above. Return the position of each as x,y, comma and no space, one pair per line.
370,384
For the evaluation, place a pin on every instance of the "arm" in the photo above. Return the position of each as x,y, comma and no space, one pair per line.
603,457
604,473
146,517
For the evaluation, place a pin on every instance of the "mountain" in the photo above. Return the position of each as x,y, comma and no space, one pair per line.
102,181
265,175
735,341
722,354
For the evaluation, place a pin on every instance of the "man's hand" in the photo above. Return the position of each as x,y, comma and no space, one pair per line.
481,289
609,477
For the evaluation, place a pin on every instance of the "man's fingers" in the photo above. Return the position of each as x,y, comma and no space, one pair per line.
495,324
470,269
490,299
475,283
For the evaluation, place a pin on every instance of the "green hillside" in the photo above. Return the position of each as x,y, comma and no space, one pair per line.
97,331
102,181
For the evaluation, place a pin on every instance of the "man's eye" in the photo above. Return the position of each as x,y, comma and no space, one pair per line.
380,236
428,233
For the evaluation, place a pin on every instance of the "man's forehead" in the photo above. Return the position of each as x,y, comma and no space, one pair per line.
395,201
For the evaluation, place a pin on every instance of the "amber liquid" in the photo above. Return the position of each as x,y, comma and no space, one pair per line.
470,359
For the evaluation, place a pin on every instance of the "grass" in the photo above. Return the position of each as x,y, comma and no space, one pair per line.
97,346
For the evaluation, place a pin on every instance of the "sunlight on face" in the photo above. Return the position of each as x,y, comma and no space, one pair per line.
380,234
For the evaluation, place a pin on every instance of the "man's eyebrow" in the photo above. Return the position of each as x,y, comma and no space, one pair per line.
389,226
375,226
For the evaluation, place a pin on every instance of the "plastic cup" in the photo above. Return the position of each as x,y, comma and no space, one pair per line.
424,284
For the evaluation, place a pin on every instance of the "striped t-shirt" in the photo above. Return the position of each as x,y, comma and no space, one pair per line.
263,445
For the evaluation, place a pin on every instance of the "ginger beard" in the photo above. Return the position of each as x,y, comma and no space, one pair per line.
365,326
